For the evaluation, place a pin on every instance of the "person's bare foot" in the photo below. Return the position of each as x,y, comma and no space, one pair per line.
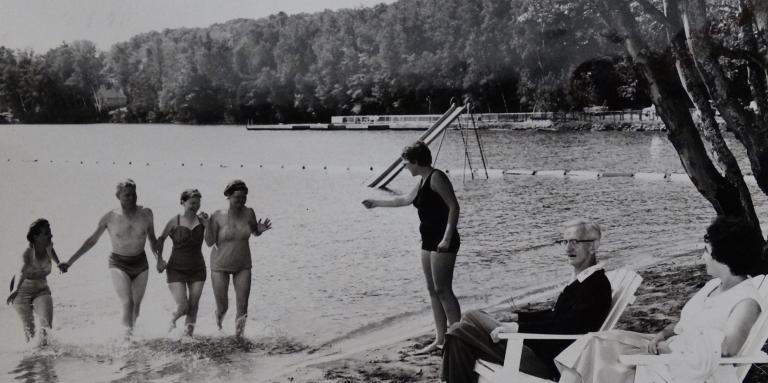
240,326
219,320
190,328
430,348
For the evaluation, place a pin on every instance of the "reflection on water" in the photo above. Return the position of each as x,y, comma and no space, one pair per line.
35,369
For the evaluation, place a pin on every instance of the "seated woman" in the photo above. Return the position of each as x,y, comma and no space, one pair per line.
715,321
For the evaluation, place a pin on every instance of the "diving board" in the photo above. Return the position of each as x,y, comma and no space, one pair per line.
427,137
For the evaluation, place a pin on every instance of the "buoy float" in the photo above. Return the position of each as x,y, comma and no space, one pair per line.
520,172
582,174
614,174
552,173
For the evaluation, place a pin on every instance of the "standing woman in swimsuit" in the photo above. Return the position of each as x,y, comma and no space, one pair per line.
32,295
228,232
185,269
439,214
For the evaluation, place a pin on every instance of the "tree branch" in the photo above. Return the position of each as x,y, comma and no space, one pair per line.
655,13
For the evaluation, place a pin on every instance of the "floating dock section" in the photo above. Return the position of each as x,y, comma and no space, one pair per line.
433,132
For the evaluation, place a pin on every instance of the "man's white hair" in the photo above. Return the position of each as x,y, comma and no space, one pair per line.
590,229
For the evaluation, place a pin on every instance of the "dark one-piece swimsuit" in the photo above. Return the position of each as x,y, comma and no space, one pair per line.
186,263
433,214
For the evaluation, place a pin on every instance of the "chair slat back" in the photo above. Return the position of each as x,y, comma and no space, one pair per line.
759,333
624,284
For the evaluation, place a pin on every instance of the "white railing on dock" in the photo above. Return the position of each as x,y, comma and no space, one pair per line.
491,118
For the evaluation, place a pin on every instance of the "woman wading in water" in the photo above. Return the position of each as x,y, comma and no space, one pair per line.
32,295
228,232
185,269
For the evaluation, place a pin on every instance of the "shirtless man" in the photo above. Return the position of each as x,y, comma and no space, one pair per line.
128,229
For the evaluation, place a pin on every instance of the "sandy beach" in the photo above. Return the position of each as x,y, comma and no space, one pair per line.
665,289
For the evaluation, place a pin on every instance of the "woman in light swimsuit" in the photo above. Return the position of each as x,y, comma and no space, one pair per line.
228,232
32,295
439,214
185,269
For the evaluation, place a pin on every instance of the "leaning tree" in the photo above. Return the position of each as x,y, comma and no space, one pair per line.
713,54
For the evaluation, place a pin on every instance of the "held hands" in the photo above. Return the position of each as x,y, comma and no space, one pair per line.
261,227
161,265
63,267
204,217
369,203
504,328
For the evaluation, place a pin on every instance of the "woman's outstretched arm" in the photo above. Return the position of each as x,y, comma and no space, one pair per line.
395,202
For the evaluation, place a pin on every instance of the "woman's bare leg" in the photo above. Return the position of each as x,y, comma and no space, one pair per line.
242,282
179,293
43,306
437,307
195,291
442,275
220,283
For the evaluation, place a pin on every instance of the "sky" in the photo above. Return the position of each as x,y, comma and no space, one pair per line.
44,24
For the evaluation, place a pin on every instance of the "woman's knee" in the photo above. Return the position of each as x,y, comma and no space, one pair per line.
443,291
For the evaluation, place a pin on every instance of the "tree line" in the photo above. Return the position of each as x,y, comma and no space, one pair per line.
409,57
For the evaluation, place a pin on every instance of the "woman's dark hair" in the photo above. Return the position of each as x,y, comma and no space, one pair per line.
234,186
35,228
190,193
418,153
736,244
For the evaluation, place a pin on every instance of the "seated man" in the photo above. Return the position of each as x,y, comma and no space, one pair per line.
581,307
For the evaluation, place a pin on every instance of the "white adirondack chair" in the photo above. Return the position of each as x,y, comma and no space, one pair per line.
624,283
750,351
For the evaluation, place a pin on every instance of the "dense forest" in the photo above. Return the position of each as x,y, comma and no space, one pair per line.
408,57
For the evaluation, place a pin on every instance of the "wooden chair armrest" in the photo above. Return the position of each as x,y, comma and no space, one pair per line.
523,335
760,357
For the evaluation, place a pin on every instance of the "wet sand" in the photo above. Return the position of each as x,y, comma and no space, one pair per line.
665,289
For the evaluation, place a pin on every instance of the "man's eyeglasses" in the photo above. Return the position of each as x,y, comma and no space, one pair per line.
566,242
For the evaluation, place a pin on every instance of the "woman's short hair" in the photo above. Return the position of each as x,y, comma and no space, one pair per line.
190,193
418,153
234,186
126,183
736,244
36,227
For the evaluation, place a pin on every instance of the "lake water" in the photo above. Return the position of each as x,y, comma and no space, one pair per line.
330,273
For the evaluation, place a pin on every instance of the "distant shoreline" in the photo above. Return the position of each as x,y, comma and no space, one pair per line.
535,125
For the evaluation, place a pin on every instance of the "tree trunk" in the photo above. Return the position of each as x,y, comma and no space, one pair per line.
668,95
709,127
741,122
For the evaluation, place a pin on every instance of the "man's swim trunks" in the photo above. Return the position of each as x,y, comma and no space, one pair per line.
132,266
